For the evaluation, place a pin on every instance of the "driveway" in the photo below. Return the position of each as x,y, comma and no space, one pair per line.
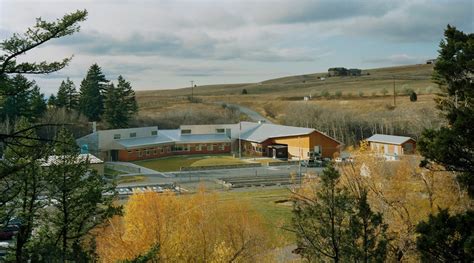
255,116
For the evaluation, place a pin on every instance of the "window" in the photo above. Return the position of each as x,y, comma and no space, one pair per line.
209,147
147,151
130,152
155,151
154,133
185,131
162,150
140,153
178,148
222,146
116,136
133,135
220,130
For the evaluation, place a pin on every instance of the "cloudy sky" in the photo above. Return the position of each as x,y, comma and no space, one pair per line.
159,44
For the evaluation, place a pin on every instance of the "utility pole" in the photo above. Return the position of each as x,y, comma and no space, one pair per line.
192,90
394,93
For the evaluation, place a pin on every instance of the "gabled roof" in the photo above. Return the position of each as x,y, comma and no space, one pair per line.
390,139
266,131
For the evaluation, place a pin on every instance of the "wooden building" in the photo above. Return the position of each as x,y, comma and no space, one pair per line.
390,146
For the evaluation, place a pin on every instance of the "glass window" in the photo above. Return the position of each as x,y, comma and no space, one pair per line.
116,136
153,133
133,135
220,130
222,147
209,147
185,131
147,152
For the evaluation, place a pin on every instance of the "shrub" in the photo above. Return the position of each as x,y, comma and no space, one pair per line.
413,96
338,94
384,92
361,94
244,91
325,94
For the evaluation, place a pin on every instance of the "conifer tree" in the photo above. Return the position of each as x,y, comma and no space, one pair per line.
80,203
67,95
16,104
91,98
120,104
37,104
24,187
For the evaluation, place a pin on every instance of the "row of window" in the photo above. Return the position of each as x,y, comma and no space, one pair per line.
179,148
133,135
188,131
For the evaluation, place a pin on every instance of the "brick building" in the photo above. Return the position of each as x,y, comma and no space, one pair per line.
259,139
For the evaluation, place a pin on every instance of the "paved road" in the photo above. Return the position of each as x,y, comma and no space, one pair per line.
196,176
255,116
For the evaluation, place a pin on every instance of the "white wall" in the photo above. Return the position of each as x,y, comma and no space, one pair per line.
106,137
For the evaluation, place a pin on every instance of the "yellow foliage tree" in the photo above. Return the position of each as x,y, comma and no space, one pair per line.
194,228
403,192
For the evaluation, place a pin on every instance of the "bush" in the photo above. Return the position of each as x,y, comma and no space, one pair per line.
244,91
413,96
325,94
384,92
361,94
338,94
374,93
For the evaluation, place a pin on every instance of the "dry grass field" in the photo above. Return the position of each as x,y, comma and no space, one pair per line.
273,98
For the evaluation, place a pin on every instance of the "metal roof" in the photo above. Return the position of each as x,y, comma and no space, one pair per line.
390,139
56,159
265,131
172,136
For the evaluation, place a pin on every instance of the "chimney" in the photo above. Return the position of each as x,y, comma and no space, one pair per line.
94,126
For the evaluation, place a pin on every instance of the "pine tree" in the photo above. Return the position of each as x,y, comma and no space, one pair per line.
321,223
452,146
413,96
16,103
367,234
447,238
37,104
67,95
24,186
52,101
91,98
120,104
80,204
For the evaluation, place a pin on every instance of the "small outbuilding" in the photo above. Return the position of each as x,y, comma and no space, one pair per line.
391,146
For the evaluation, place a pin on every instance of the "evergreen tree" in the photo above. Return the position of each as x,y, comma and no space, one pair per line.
413,96
452,146
16,103
367,232
335,225
24,186
321,223
120,104
80,204
446,238
67,95
443,237
52,101
37,104
91,98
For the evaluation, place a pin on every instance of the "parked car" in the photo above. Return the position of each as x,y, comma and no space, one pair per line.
8,232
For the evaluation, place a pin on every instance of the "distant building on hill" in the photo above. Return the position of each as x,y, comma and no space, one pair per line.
341,71
431,61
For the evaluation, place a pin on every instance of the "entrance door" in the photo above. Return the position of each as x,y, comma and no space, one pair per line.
114,155
274,153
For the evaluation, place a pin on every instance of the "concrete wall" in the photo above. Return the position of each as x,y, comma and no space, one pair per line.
106,137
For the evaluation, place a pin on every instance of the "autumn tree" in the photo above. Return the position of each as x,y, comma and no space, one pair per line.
195,228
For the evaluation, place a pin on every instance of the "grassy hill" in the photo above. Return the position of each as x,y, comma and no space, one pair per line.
416,77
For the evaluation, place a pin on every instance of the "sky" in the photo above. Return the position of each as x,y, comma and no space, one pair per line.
164,44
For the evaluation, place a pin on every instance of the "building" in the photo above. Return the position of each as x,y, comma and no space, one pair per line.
256,139
355,72
390,146
94,162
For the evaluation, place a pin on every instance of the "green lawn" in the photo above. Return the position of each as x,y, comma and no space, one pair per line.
271,205
131,179
174,163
